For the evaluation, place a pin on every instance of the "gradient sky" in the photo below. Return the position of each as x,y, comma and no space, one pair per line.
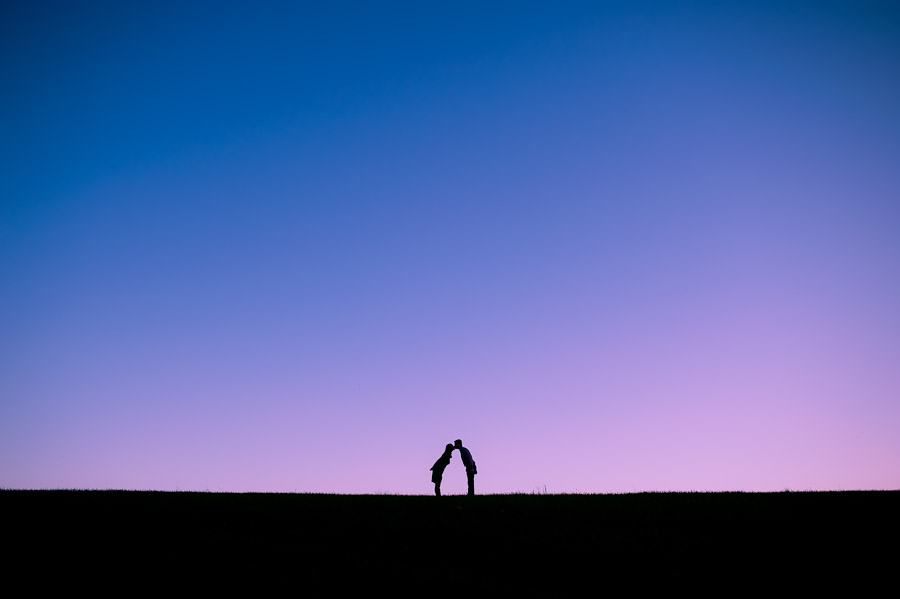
613,246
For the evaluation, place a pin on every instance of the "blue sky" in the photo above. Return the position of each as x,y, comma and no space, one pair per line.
613,246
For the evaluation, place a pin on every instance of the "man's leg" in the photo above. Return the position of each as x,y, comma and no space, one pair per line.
471,476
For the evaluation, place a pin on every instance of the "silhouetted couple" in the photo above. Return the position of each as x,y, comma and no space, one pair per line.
437,471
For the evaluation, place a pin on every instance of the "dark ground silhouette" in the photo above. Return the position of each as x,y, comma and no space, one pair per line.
713,542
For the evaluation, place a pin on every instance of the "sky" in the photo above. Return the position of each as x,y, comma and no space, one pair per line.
612,246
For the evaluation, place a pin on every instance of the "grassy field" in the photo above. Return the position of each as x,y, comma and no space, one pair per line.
702,542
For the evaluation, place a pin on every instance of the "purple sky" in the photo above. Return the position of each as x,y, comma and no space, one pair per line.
613,246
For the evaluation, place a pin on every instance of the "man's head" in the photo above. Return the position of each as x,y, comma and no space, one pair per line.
458,443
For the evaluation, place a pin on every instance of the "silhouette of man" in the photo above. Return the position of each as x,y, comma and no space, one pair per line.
437,471
471,469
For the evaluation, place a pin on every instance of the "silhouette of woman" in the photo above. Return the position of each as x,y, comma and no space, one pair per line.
437,471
